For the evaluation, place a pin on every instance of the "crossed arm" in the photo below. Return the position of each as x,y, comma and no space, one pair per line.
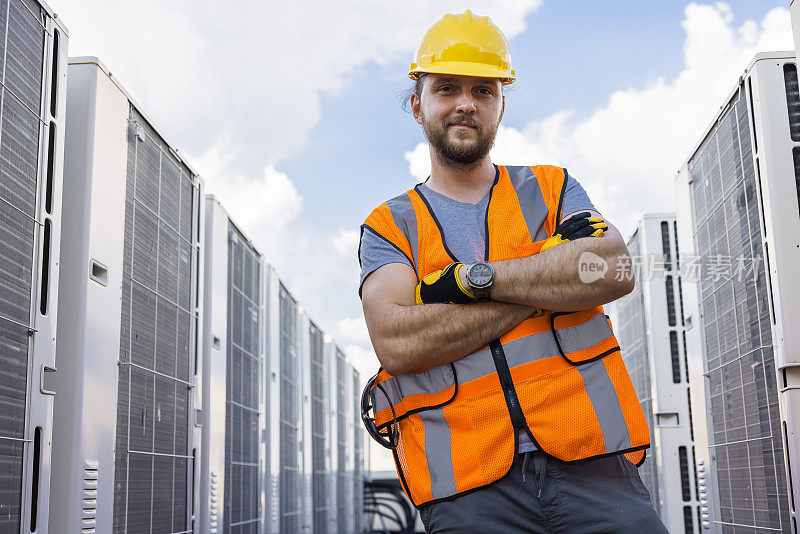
409,337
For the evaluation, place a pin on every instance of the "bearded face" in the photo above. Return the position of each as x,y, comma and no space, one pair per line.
461,140
460,116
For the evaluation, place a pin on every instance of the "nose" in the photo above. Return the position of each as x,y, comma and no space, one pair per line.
466,103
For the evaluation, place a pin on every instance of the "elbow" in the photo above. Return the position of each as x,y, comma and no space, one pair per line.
619,279
623,287
391,360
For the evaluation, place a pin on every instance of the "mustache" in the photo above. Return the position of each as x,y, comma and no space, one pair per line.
466,121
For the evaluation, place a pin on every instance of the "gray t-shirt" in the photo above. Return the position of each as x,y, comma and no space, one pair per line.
464,229
463,224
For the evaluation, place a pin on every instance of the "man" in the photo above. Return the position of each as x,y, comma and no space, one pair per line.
503,395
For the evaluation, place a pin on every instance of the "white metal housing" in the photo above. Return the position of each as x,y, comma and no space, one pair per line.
332,388
233,402
33,53
358,456
285,502
738,196
320,432
305,434
345,438
650,330
125,434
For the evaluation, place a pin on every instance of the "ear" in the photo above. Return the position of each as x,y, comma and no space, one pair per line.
415,110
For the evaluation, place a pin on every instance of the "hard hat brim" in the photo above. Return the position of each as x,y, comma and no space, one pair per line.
459,68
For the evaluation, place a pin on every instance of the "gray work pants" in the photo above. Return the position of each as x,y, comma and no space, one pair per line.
543,495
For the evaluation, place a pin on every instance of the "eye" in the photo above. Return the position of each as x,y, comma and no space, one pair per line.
445,88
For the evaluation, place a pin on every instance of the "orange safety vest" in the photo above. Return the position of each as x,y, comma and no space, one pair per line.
559,376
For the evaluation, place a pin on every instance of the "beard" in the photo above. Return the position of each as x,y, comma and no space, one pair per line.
455,153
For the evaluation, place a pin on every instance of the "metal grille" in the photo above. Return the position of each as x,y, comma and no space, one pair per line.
358,454
290,415
792,99
688,526
665,246
319,408
745,431
158,344
22,44
683,463
342,493
632,337
243,369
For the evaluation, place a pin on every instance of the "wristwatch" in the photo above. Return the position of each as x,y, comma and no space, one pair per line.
480,277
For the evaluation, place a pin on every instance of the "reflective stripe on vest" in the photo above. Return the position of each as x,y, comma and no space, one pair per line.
561,374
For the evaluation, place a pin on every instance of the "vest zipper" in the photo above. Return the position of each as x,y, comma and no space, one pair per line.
510,393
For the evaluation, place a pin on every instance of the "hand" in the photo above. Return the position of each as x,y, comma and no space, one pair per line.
444,286
577,226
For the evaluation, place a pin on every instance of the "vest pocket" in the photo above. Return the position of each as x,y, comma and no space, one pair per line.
488,448
560,414
583,336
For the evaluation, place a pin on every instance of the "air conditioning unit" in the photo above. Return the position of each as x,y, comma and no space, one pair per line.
285,408
320,431
345,436
125,432
358,457
305,433
650,324
740,221
231,480
33,52
332,388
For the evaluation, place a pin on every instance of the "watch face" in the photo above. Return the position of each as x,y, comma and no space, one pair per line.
480,275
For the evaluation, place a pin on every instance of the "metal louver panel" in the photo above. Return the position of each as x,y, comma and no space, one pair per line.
632,336
342,489
358,454
319,410
154,454
745,432
22,45
290,415
243,369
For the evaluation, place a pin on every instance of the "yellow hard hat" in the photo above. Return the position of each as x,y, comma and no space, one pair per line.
464,44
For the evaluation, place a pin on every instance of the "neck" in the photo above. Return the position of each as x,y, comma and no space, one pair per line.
465,183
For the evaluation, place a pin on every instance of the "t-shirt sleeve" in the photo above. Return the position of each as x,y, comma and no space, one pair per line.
375,252
575,198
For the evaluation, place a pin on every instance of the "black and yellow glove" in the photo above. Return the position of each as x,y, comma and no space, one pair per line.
577,226
443,286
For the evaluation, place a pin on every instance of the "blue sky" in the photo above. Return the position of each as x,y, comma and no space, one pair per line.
572,55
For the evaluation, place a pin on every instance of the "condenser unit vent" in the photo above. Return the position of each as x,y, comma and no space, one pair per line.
242,372
22,45
358,452
343,511
290,414
746,431
632,335
157,342
319,410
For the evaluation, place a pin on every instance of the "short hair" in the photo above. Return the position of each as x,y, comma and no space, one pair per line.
414,89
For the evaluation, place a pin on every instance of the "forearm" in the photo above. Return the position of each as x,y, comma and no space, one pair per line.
551,280
417,337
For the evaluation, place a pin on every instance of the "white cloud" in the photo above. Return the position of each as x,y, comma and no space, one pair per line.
419,162
346,242
253,73
352,330
627,152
